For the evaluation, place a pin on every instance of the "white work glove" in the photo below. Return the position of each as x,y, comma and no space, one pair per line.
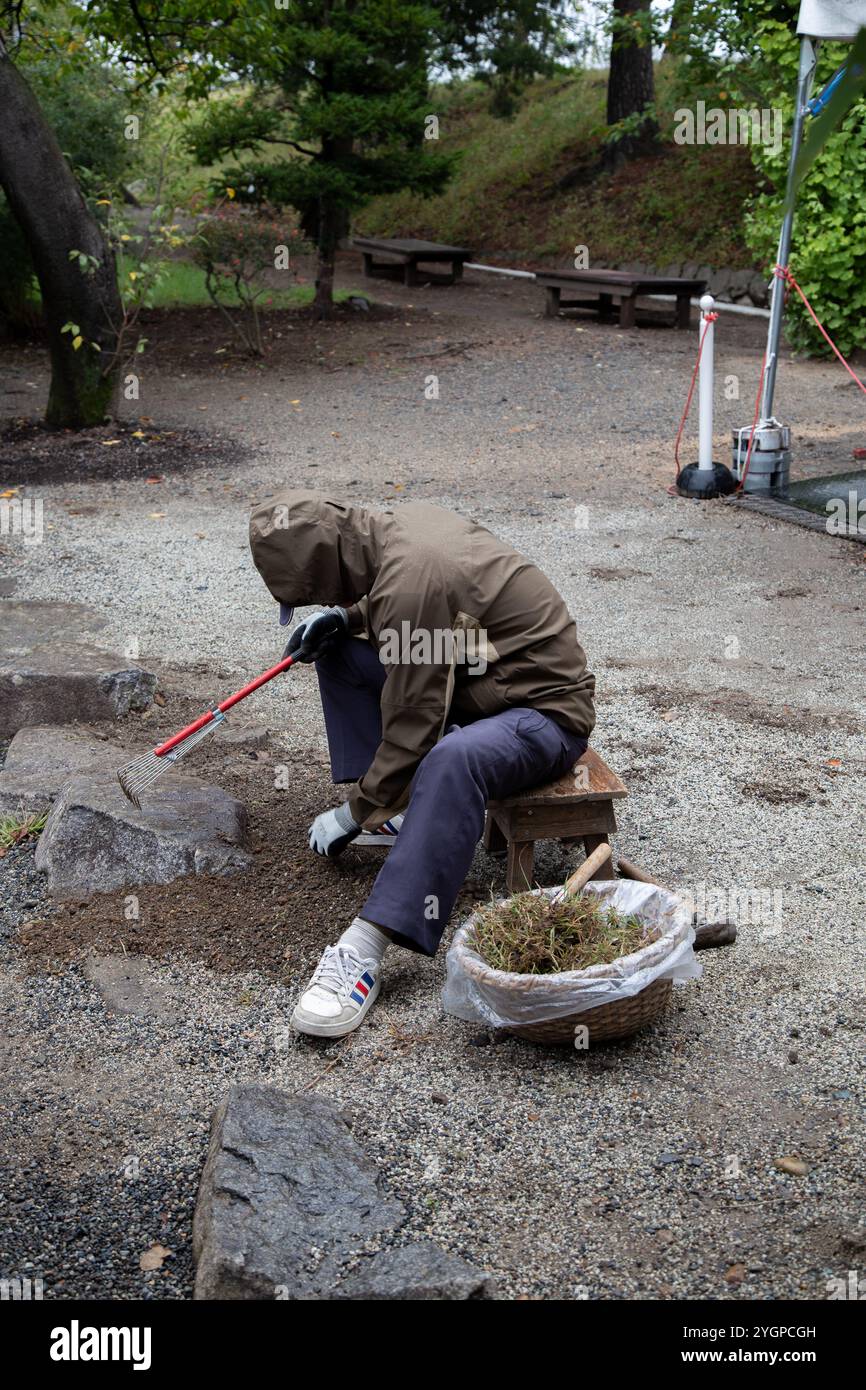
332,831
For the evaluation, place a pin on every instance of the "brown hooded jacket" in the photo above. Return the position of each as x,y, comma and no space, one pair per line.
461,620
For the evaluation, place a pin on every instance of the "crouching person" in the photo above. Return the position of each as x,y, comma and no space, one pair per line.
450,674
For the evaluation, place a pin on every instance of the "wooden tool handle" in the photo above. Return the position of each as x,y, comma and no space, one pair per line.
629,870
590,865
210,714
707,934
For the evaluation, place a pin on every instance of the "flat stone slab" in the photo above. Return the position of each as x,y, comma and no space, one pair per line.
130,985
419,1271
287,1194
41,758
51,671
95,841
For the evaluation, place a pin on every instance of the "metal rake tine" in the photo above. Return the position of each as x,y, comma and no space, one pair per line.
144,770
138,775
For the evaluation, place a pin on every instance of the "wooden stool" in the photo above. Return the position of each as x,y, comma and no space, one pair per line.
577,807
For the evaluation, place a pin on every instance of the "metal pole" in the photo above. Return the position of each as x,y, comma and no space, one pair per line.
705,402
808,60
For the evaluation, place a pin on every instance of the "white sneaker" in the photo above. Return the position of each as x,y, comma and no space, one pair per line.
384,837
339,995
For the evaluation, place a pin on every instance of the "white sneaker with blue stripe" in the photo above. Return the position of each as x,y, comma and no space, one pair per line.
384,837
339,995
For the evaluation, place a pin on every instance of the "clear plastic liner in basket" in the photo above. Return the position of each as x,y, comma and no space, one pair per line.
475,991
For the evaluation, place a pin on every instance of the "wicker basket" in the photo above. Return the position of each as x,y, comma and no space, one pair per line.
605,1022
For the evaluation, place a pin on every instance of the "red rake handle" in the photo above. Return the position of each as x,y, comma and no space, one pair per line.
226,705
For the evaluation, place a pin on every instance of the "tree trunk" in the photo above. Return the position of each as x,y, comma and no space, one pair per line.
308,216
47,204
332,223
630,86
323,304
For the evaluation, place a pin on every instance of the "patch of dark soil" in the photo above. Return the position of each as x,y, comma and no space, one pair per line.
742,708
32,452
196,340
275,917
602,572
780,796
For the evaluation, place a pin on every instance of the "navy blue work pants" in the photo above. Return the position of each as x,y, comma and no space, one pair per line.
473,763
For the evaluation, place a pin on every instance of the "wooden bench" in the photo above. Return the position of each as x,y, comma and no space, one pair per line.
609,287
401,256
577,807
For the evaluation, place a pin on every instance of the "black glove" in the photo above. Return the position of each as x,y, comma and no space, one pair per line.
311,639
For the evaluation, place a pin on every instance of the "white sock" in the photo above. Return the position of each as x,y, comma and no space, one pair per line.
366,939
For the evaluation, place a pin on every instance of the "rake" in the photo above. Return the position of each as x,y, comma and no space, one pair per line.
142,772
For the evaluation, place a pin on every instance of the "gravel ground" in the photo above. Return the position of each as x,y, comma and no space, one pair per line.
730,700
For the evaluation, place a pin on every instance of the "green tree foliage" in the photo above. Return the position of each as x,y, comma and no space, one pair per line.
507,45
747,54
322,102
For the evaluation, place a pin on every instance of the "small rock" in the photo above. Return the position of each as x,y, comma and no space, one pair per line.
789,1163
421,1272
243,735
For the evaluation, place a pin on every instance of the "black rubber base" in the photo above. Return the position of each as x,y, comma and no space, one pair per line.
717,481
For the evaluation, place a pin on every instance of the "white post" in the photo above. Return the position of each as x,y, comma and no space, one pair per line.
705,402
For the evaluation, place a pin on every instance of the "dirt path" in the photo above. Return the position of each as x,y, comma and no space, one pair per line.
729,699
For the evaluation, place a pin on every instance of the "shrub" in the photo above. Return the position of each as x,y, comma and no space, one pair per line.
238,248
828,249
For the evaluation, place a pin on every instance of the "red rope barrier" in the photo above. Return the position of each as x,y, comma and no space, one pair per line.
741,484
783,273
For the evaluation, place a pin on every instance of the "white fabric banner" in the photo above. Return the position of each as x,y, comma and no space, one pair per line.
831,19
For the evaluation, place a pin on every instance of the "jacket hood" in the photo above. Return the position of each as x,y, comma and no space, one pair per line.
311,548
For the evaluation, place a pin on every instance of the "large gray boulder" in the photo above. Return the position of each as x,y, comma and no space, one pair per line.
286,1195
52,671
40,759
421,1271
95,841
